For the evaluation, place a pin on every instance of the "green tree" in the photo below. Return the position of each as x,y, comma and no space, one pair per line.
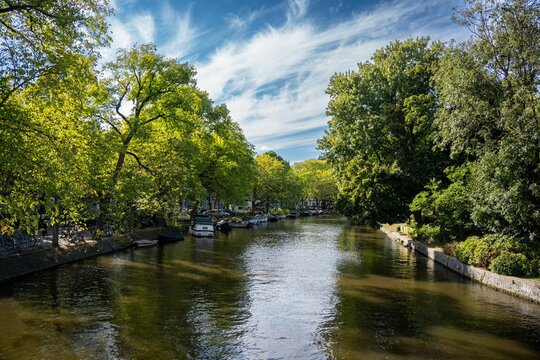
226,163
48,51
489,91
48,165
380,136
317,180
145,92
275,181
38,38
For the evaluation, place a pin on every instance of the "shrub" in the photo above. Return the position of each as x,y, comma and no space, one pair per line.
428,233
450,248
484,253
513,264
465,250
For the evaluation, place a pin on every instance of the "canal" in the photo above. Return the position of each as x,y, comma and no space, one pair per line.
312,288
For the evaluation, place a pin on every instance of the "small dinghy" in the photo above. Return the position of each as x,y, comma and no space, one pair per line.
163,238
144,243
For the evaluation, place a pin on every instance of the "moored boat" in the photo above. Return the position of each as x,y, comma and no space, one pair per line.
202,227
237,223
145,243
164,238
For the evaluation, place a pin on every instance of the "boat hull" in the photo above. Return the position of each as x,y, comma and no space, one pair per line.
145,243
201,233
241,225
163,238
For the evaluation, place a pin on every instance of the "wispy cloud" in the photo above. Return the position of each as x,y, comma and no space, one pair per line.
174,37
274,82
183,32
273,77
297,9
241,22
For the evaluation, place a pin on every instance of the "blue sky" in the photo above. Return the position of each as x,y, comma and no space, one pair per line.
270,61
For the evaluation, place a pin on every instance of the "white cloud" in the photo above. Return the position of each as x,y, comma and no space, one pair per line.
297,9
274,82
183,32
238,22
128,28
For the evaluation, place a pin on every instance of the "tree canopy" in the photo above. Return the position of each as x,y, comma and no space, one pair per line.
380,138
449,136
317,180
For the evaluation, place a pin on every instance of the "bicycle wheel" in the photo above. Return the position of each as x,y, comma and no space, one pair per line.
31,240
9,242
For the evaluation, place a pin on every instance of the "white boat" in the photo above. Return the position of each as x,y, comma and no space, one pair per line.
202,227
262,217
144,243
240,224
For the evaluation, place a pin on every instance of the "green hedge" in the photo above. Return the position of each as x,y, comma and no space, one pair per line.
500,253
513,264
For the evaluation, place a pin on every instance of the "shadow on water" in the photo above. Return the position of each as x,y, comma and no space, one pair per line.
313,288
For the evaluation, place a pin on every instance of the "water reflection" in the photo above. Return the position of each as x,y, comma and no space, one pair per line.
306,289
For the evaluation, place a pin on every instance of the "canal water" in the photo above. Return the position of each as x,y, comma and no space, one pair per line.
312,288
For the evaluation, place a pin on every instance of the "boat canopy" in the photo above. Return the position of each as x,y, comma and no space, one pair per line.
202,220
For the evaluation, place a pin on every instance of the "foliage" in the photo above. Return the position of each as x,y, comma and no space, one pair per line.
46,83
117,146
317,180
489,91
430,234
465,250
380,141
512,264
483,251
275,181
40,38
445,211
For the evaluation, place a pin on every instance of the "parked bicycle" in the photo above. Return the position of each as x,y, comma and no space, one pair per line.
72,233
7,242
24,240
19,240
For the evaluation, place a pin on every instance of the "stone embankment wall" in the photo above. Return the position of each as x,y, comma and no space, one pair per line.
525,288
17,265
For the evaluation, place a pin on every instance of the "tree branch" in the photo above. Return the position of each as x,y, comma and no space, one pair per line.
139,162
153,119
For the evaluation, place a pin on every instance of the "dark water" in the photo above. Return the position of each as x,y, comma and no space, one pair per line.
304,289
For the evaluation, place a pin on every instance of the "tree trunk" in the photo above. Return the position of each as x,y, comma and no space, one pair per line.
56,233
106,198
253,201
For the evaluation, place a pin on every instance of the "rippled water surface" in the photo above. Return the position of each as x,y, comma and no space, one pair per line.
311,288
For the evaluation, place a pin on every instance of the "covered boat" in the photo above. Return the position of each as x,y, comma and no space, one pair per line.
167,238
202,226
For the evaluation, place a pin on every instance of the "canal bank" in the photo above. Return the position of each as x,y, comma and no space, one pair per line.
44,257
524,288
47,257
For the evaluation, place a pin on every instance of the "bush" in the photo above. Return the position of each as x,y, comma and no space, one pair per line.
481,251
429,234
513,264
484,253
465,250
450,248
